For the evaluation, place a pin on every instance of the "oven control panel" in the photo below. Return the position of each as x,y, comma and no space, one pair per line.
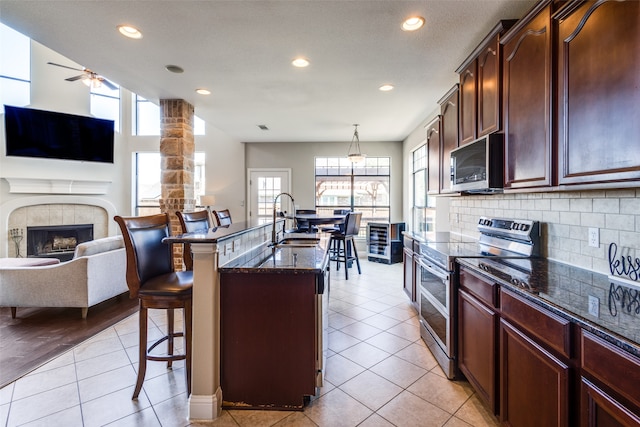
521,229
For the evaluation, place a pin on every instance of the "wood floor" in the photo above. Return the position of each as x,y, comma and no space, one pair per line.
38,334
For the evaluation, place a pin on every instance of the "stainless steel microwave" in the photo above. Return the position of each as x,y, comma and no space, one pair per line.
478,167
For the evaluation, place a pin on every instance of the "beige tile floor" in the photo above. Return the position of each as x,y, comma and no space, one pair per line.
379,373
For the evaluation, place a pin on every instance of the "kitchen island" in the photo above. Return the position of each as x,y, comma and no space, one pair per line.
240,246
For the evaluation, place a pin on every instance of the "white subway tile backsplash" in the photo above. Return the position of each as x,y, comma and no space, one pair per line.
565,219
581,205
604,205
588,219
620,222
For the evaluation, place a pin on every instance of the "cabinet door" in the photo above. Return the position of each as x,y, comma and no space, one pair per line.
527,101
449,140
489,88
534,385
599,92
468,103
433,152
477,359
601,410
409,283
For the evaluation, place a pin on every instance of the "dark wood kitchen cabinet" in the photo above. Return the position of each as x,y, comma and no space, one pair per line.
534,366
527,100
468,81
409,264
480,87
598,91
449,139
609,384
433,155
477,335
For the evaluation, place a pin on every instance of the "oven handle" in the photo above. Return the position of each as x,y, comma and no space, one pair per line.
436,271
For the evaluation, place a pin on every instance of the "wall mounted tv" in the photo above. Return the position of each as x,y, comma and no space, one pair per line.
52,135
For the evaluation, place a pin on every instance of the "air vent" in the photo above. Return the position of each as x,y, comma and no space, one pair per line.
263,127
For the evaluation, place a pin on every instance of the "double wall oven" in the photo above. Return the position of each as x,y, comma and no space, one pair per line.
437,280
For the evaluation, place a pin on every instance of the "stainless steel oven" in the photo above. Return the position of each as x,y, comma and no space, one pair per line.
436,280
436,311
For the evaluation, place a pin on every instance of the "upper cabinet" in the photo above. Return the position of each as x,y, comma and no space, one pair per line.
527,100
433,153
449,135
480,87
598,46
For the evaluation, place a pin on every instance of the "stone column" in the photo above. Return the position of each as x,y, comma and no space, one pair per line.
177,146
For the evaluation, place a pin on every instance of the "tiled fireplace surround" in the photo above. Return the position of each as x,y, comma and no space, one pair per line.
58,210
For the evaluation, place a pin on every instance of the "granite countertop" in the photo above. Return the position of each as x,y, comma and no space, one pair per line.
268,259
216,234
565,290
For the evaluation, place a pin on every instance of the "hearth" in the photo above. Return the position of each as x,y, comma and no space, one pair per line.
57,241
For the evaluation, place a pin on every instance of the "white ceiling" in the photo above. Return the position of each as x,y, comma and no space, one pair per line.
242,49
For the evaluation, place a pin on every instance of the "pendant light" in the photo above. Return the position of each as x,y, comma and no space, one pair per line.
354,155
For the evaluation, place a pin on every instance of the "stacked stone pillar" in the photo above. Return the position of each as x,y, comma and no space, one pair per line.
177,147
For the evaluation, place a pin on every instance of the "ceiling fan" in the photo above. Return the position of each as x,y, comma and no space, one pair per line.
88,77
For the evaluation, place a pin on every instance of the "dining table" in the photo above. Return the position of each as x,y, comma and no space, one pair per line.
318,219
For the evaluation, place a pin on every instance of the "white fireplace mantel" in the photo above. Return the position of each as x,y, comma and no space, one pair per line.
57,186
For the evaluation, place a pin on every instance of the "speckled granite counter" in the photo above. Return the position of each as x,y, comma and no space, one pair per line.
565,290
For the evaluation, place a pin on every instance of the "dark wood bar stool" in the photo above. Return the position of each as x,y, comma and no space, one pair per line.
151,279
343,246
223,217
190,222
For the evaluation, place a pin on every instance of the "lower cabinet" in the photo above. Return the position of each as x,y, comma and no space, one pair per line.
477,339
601,410
534,384
609,384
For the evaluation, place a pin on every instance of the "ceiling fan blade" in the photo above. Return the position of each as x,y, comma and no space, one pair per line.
74,78
65,66
108,84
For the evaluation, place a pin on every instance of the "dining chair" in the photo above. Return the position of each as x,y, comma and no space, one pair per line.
190,222
223,217
344,247
303,226
151,279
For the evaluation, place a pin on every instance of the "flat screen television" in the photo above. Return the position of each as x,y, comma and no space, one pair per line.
52,135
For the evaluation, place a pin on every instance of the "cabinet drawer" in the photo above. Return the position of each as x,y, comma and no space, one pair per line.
479,287
539,322
408,243
612,366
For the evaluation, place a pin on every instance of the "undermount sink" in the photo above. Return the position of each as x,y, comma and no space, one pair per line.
298,243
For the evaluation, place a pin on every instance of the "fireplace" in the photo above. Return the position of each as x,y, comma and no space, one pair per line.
57,241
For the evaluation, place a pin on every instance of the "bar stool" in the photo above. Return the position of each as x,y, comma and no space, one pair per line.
344,245
190,222
150,278
223,217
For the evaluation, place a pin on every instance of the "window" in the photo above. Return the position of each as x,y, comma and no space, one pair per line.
362,187
105,104
15,68
147,181
423,212
146,118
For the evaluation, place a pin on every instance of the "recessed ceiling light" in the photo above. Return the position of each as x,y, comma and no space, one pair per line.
203,91
386,87
413,23
129,31
300,62
174,69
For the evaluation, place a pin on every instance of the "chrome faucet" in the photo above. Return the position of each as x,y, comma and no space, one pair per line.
275,201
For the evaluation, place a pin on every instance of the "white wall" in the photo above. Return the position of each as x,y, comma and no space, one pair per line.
224,174
300,157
